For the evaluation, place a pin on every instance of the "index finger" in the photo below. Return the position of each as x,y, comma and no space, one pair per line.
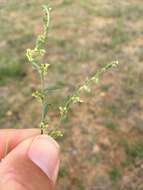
10,138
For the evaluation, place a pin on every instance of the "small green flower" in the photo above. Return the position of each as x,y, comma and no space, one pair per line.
86,88
76,99
55,133
63,110
38,95
29,54
44,68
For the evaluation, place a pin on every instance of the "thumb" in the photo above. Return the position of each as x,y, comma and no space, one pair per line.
32,165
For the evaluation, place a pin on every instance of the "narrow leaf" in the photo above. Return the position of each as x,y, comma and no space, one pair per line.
45,111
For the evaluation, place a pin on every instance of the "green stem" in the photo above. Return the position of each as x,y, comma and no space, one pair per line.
43,101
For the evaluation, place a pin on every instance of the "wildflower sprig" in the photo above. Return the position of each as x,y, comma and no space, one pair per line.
35,56
86,87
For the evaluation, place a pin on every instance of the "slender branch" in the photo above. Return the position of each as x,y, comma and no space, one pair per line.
86,86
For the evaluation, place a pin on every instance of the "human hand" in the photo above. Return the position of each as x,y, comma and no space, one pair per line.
32,162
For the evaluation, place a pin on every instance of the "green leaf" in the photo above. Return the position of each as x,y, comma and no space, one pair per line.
45,110
54,87
35,65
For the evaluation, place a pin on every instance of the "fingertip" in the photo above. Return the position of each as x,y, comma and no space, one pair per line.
34,162
44,152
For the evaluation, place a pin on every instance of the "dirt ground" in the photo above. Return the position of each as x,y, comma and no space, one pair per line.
102,147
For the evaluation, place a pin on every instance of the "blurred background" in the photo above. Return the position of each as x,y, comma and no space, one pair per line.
102,148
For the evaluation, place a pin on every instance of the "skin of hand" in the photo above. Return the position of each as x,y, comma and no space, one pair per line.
29,161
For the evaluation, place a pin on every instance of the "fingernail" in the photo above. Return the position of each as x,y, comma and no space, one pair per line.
44,152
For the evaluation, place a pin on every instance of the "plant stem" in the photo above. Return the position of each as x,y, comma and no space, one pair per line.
43,101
